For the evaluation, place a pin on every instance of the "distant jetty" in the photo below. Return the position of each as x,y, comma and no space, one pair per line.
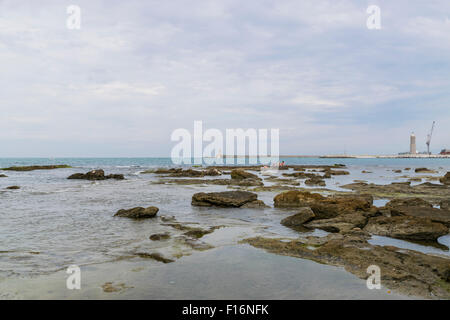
400,156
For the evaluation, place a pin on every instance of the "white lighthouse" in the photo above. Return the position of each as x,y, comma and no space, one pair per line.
412,144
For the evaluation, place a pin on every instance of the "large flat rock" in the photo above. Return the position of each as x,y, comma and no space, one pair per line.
223,199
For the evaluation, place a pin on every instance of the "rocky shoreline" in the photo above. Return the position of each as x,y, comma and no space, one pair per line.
415,212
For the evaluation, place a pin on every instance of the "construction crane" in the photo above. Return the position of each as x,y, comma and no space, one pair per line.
429,138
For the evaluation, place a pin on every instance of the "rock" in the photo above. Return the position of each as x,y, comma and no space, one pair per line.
155,256
13,188
445,179
256,204
293,199
188,173
342,223
109,287
445,204
223,199
96,175
323,207
159,236
197,233
213,172
297,220
337,172
240,174
300,175
138,213
407,271
3,176
424,170
316,181
397,171
246,182
166,170
364,171
410,202
31,168
427,191
115,176
434,214
406,227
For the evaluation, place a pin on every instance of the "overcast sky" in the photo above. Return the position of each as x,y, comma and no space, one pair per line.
137,70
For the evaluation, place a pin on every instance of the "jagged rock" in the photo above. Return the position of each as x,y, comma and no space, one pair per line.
406,227
240,174
445,179
96,175
223,199
304,215
138,213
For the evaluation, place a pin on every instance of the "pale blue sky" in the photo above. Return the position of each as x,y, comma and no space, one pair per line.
137,70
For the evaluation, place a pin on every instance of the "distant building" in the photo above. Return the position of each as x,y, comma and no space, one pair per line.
445,151
412,144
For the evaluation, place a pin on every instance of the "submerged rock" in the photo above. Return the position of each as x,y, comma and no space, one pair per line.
138,213
159,236
155,256
96,175
223,199
406,227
